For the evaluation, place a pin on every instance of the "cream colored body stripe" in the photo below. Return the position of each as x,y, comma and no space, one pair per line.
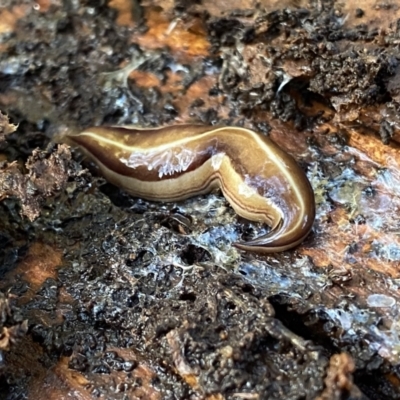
295,228
182,142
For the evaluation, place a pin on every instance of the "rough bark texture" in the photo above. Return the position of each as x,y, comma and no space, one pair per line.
125,298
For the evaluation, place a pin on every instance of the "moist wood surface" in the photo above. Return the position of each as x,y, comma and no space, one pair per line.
107,296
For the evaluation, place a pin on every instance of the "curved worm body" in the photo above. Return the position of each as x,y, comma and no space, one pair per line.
259,180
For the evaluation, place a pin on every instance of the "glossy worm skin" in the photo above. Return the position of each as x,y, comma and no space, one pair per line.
259,180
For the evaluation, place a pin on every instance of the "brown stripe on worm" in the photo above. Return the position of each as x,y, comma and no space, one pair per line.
260,181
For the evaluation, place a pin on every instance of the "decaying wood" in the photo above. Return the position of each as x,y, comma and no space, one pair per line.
130,299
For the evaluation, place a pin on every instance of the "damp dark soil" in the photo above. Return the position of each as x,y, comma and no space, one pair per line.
103,295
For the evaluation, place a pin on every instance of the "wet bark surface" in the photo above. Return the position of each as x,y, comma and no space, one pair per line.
109,296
